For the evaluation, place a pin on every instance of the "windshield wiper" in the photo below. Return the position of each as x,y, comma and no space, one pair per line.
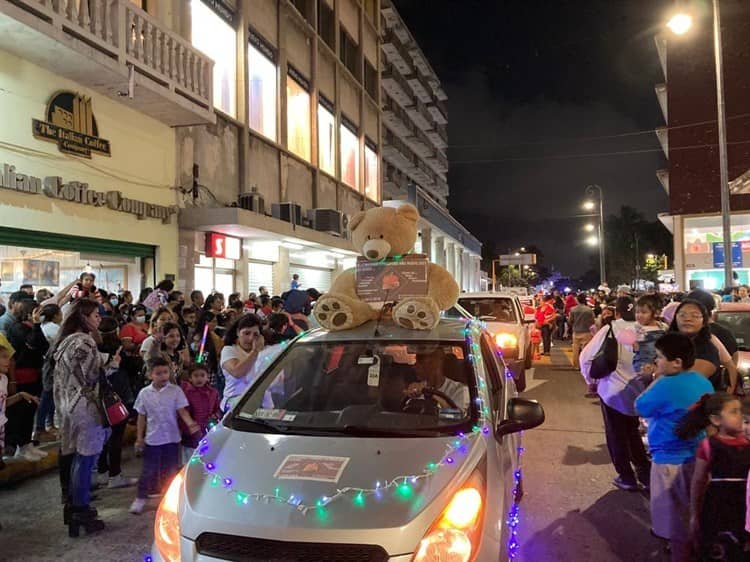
259,422
365,430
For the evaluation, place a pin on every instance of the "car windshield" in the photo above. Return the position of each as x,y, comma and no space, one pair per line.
363,388
738,322
493,309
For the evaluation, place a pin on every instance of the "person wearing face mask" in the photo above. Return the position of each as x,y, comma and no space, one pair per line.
132,335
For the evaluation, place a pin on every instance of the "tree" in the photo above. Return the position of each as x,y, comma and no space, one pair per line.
629,237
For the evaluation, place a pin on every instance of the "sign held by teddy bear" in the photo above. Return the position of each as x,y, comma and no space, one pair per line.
419,289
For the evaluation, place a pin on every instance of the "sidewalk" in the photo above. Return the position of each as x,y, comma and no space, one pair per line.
17,470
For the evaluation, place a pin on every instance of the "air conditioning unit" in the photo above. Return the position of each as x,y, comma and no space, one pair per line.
331,221
252,201
289,212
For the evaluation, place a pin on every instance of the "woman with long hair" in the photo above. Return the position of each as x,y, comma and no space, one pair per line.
692,319
242,344
78,366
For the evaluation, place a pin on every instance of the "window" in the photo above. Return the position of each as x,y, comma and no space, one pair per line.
262,94
349,157
327,24
371,10
217,39
371,80
372,180
348,54
298,119
326,140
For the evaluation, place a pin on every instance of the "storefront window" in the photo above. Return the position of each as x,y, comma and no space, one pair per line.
217,39
349,157
298,119
262,95
327,140
214,275
372,179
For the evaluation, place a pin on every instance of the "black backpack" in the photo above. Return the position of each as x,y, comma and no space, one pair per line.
605,361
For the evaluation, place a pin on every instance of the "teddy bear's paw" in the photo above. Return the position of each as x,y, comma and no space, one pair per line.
334,314
416,315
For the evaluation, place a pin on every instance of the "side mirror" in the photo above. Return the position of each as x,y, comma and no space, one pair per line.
522,414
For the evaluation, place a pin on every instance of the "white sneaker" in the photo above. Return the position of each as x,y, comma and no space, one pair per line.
120,481
137,506
41,453
26,454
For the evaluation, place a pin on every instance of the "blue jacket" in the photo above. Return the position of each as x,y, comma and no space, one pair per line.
664,404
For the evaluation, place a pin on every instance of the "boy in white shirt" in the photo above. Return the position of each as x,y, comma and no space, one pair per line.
158,406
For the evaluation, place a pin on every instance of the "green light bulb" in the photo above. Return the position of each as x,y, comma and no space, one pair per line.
359,499
405,491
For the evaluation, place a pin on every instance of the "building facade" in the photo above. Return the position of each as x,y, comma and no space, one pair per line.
690,142
415,142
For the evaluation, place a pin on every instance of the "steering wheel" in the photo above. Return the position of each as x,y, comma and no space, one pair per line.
427,403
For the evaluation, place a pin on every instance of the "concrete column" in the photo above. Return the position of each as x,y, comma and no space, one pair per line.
680,273
450,258
241,273
439,257
427,242
281,277
459,251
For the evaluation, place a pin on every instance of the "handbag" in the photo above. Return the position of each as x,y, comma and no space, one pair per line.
605,361
114,410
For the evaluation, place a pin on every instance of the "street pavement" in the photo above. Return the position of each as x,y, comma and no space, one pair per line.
570,512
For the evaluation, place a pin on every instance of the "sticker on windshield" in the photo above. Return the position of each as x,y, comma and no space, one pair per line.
373,374
312,467
366,360
289,417
268,414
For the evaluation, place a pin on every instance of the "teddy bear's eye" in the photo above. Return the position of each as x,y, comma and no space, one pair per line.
369,237
381,236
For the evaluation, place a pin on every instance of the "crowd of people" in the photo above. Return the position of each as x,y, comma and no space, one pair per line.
664,367
77,367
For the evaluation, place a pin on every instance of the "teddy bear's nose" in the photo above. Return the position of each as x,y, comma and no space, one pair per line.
375,250
372,254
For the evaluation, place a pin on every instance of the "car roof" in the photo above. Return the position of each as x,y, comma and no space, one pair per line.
446,330
488,294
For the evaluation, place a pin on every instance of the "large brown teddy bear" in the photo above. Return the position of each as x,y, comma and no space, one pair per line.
379,233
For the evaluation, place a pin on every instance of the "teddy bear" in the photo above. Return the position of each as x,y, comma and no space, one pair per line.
380,233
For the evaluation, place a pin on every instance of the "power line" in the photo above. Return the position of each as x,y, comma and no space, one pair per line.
588,155
563,140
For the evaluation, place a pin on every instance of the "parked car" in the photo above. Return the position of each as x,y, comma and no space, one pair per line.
368,444
505,319
735,316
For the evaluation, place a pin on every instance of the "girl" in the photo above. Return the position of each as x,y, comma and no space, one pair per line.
242,344
211,349
159,296
172,348
203,406
718,489
159,318
84,288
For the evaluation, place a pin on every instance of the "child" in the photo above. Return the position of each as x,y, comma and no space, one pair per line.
171,348
663,405
84,288
717,493
158,406
648,329
203,406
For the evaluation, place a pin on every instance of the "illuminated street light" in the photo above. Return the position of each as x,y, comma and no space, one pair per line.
589,228
592,240
589,205
680,24
650,256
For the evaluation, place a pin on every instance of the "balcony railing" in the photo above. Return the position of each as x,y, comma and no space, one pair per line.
98,43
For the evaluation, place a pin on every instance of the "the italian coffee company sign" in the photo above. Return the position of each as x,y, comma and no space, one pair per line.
71,124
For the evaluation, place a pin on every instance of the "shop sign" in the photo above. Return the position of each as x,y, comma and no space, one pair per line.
220,246
718,248
80,192
71,124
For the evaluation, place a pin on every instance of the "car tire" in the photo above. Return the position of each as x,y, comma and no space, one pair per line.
521,380
529,361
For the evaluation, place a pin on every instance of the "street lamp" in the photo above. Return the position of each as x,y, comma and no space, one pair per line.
589,228
591,205
680,24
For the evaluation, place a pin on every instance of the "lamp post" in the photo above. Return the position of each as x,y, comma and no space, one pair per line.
681,24
590,205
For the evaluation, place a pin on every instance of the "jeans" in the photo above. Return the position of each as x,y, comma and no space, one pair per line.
547,338
110,459
625,445
80,480
45,413
160,464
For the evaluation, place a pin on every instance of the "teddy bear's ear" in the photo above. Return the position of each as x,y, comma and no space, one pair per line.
355,220
409,212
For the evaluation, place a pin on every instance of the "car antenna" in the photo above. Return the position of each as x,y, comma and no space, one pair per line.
380,314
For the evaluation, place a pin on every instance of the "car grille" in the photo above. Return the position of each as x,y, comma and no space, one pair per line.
246,549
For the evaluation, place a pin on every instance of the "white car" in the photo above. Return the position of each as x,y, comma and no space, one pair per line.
505,319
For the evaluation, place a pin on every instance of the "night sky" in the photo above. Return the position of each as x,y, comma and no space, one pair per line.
529,83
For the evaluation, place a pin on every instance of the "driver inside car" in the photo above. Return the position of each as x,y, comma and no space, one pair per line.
430,372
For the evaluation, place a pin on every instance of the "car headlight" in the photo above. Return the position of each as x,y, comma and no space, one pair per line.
167,522
508,343
456,534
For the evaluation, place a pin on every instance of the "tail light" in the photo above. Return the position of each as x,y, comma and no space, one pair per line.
456,534
167,522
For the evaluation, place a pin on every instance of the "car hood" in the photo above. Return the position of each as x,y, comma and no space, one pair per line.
247,463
